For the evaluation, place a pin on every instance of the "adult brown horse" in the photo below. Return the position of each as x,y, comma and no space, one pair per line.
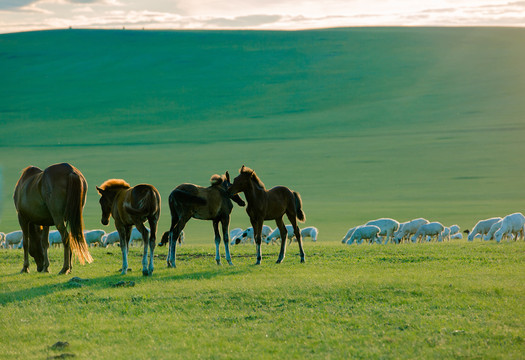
55,196
269,205
211,203
131,206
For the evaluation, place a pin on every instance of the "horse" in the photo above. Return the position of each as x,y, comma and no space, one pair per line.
131,206
269,205
188,201
55,196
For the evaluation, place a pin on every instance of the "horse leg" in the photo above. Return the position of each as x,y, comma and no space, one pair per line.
297,232
24,225
225,233
44,238
145,240
284,237
174,235
124,235
152,238
64,234
217,241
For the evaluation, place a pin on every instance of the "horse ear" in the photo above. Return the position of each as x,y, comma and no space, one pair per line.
228,176
100,191
242,169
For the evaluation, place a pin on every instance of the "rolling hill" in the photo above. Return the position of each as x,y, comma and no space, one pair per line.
363,122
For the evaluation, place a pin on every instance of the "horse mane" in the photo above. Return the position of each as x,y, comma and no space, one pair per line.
253,175
217,179
114,184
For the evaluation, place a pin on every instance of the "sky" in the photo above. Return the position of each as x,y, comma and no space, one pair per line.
27,15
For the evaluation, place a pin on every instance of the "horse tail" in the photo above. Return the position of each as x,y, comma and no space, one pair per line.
298,207
186,197
73,218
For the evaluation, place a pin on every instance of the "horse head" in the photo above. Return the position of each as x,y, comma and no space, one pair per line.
226,184
105,205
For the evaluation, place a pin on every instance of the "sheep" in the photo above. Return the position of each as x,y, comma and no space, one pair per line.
445,234
277,235
349,234
14,239
248,235
311,232
495,227
94,236
454,229
388,227
110,239
234,235
369,232
456,236
431,229
409,228
482,227
55,238
2,240
511,224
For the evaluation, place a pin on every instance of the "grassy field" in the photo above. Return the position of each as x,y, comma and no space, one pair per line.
439,300
363,122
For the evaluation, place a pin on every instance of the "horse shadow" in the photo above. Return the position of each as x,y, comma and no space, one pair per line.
116,281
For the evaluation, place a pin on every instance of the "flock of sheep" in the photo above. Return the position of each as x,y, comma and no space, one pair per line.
379,231
419,230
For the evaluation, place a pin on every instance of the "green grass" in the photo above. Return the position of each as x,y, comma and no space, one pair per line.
441,300
363,122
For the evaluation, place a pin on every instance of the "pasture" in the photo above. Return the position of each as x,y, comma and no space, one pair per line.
433,300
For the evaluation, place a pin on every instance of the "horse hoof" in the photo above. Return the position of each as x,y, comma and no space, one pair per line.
219,262
257,263
145,272
24,271
64,272
302,261
230,263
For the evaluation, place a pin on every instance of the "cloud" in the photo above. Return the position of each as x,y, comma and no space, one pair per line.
244,21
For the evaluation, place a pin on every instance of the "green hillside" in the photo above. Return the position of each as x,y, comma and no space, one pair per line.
363,122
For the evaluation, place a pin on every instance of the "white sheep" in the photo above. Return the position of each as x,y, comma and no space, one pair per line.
2,240
310,232
365,232
388,227
456,236
235,235
445,234
110,239
55,239
13,239
136,236
249,236
409,228
349,234
94,236
495,227
454,229
511,224
482,227
276,234
431,229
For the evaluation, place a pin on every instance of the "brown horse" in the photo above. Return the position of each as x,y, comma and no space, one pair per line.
55,196
131,206
269,205
211,203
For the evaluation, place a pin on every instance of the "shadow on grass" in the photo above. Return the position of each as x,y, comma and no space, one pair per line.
116,282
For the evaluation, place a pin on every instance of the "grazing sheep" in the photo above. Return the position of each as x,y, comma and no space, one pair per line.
445,234
13,239
431,229
277,235
55,239
365,232
248,235
495,227
454,229
110,239
136,237
349,234
311,232
94,237
511,224
2,240
456,236
408,229
388,227
482,227
234,235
